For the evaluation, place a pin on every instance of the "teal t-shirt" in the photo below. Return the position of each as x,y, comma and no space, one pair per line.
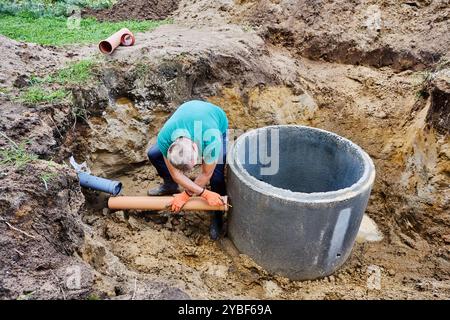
202,122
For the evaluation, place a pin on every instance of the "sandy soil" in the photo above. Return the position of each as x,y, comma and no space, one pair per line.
392,101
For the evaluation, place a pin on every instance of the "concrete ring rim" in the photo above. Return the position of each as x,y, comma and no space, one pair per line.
360,186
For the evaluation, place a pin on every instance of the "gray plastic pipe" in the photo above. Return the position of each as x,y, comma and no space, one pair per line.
99,184
298,196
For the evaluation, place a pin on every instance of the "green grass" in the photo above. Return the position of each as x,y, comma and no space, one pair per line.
15,154
93,297
26,295
75,73
47,177
36,94
40,8
55,31
4,90
141,69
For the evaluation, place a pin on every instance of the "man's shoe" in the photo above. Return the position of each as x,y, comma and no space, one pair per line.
215,228
164,190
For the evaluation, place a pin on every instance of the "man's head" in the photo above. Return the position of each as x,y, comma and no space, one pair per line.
183,154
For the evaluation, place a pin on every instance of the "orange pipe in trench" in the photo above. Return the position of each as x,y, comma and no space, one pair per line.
162,203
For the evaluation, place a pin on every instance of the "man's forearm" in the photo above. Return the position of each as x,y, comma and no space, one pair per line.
188,184
196,186
207,171
202,180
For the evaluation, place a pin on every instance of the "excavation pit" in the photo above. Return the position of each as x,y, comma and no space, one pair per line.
298,196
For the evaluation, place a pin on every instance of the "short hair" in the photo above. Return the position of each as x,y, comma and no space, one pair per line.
181,153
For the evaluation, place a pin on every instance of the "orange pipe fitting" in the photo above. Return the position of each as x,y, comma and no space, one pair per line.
122,37
162,203
127,39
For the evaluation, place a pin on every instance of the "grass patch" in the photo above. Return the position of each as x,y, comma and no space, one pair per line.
40,8
80,72
141,69
428,76
93,297
36,94
15,154
4,90
76,73
55,30
47,177
26,296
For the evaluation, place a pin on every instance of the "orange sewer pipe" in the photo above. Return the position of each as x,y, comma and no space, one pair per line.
162,203
122,37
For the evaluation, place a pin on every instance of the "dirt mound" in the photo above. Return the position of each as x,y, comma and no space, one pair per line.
373,33
135,10
40,231
20,60
48,252
378,33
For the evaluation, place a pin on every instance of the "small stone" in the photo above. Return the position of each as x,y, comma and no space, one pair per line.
446,238
271,289
157,227
119,216
90,220
134,223
218,271
169,225
380,114
424,286
21,81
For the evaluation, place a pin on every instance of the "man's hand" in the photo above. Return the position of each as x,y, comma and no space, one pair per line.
179,201
213,198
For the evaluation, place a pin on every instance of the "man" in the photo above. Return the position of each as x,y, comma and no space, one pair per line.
194,134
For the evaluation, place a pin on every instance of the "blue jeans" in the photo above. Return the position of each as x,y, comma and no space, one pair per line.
217,181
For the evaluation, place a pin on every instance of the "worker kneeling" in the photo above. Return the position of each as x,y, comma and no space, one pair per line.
194,134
